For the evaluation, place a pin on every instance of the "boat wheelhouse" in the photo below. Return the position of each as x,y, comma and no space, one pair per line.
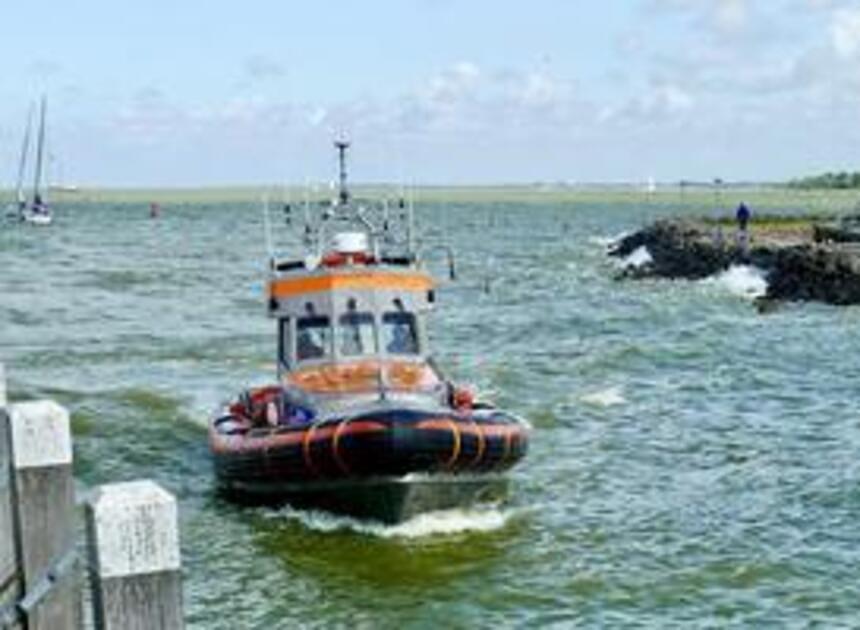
354,326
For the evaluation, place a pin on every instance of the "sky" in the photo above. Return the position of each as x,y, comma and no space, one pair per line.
191,93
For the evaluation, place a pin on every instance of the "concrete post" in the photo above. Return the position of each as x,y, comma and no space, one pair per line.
134,557
44,520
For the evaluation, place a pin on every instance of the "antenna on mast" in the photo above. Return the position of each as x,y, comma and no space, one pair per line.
342,144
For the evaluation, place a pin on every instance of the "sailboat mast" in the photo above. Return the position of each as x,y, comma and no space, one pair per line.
22,161
40,150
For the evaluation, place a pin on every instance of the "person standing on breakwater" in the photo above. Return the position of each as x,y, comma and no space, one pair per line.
743,215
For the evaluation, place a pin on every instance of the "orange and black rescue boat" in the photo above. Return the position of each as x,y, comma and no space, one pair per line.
361,421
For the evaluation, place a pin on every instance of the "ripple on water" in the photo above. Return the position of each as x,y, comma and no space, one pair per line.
692,463
609,397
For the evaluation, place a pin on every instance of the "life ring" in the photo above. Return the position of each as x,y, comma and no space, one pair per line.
339,259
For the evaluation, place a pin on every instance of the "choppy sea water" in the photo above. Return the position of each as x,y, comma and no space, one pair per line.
693,463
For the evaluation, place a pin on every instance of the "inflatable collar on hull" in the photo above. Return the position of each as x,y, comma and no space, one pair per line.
388,443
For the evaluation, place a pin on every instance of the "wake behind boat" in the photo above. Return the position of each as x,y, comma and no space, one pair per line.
361,420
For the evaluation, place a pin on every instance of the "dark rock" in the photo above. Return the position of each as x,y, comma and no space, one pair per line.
844,230
680,249
814,273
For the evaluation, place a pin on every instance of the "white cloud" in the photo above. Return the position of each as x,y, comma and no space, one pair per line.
261,67
152,118
316,116
453,84
721,17
658,103
731,15
725,72
541,89
672,98
468,99
147,117
46,68
845,32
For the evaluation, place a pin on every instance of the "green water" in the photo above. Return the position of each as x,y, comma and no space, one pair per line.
692,463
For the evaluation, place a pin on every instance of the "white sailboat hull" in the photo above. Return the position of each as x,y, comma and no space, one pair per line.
38,219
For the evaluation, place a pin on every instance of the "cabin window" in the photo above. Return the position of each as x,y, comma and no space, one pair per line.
400,333
313,337
356,334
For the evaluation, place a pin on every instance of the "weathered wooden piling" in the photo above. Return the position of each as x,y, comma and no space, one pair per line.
132,527
44,515
2,387
10,584
134,557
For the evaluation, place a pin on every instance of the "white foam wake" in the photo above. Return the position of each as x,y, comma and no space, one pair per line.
609,397
607,241
440,523
638,258
741,280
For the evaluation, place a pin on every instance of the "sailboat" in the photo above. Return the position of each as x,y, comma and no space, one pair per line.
18,208
36,212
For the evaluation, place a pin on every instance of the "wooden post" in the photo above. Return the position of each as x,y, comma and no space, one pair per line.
10,583
44,521
134,557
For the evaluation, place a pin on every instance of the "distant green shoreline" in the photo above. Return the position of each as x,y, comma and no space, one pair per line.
829,181
728,196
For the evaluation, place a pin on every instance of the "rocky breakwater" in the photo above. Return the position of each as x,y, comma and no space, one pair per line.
795,266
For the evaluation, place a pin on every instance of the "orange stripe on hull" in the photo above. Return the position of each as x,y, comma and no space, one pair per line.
434,423
289,287
507,452
455,449
482,442
335,447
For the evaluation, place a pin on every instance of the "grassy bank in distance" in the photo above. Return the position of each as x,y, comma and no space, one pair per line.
761,198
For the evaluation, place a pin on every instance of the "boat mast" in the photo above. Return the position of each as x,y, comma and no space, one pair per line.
22,162
342,146
267,228
40,149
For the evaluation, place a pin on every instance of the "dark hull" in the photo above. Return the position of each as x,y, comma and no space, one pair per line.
387,465
386,500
